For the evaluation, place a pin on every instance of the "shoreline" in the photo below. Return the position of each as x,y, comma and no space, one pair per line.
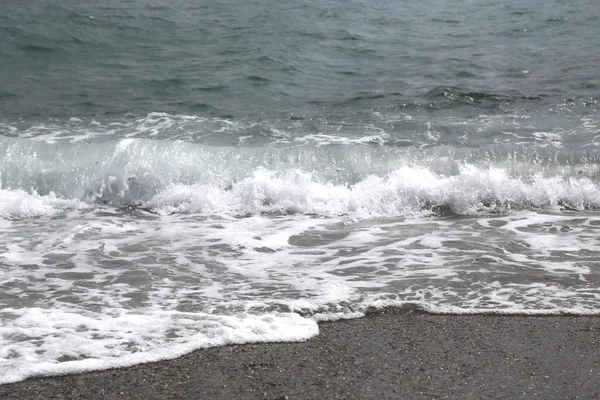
390,353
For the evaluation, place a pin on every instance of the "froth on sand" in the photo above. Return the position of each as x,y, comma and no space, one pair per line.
392,353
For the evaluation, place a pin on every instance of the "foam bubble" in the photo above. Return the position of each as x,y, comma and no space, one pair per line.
404,192
19,204
72,342
107,288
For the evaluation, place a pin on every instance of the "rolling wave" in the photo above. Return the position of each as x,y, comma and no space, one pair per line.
38,178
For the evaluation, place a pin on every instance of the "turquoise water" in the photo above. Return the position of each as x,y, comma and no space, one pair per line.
182,175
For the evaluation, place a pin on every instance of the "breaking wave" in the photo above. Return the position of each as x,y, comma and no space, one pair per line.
38,178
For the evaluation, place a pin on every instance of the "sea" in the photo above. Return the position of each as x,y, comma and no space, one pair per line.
176,175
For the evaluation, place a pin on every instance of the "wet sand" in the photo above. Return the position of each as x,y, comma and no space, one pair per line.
393,354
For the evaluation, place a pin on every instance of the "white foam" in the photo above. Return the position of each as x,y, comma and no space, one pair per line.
328,140
404,192
19,204
452,310
104,289
152,125
55,334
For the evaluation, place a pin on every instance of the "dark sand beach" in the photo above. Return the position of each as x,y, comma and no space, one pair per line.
388,354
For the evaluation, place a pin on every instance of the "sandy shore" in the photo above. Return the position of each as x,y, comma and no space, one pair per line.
390,354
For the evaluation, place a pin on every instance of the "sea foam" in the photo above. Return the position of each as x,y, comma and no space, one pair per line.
406,191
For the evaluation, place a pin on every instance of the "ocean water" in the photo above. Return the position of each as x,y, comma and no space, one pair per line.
177,175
